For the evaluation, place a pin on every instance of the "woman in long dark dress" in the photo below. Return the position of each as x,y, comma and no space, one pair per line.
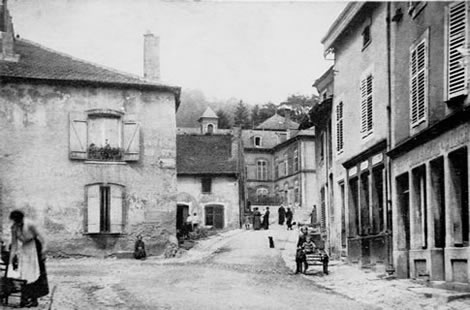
289,217
256,219
139,248
266,219
282,214
27,256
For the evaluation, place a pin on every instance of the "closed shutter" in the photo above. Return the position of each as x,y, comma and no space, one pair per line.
418,83
131,143
458,42
77,135
339,127
366,106
93,209
219,217
116,212
209,216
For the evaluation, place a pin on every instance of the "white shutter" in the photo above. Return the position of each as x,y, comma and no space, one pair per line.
116,212
339,127
366,106
458,40
131,141
418,83
93,208
77,135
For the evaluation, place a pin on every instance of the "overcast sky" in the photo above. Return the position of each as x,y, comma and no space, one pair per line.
256,51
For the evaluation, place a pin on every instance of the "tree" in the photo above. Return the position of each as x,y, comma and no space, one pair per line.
242,116
255,116
224,120
266,111
299,106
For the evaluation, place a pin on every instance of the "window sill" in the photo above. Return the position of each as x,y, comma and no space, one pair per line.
367,135
103,162
103,234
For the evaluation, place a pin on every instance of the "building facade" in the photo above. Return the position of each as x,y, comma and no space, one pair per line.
430,112
88,153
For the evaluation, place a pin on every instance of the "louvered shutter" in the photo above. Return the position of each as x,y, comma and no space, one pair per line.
93,209
131,143
458,40
77,135
116,209
339,127
418,83
366,105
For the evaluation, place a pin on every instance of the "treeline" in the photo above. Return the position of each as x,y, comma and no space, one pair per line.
235,112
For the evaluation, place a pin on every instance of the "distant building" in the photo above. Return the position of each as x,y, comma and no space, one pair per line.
280,164
87,152
208,170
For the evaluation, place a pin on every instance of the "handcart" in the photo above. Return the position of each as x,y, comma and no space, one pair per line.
9,287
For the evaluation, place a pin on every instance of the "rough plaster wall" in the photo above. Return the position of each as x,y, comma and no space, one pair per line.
38,176
224,191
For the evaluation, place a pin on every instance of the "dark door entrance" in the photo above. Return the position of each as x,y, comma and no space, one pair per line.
182,212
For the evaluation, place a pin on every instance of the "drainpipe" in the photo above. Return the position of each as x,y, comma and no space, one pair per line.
389,139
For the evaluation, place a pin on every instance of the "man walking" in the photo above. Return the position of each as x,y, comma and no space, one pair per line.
282,214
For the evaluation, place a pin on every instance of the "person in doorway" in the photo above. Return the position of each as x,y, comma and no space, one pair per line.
289,218
281,214
266,219
256,219
195,221
28,256
139,248
189,225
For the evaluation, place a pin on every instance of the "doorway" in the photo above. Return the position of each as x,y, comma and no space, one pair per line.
182,212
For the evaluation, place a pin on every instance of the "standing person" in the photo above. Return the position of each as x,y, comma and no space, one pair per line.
289,217
28,256
313,215
189,225
266,219
282,214
139,248
256,219
195,221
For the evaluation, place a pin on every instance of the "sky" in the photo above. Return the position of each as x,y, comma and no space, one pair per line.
255,51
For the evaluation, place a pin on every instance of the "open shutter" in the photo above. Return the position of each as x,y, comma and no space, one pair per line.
131,141
93,209
364,106
77,135
458,42
116,212
418,83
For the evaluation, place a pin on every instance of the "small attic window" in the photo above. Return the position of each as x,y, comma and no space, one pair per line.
257,141
366,37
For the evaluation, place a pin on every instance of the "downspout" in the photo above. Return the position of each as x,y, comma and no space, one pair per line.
389,141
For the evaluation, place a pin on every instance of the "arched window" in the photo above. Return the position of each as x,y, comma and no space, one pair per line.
262,193
262,170
210,129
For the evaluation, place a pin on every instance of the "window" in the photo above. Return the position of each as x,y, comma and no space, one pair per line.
458,38
296,160
214,216
257,141
366,36
276,168
286,194
262,170
206,185
296,192
366,106
339,128
418,82
105,208
103,134
262,194
286,165
322,146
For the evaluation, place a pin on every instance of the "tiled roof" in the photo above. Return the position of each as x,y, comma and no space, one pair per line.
209,113
205,154
38,62
277,122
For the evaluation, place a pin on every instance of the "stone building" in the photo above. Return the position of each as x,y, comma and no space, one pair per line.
359,41
280,164
87,152
430,141
209,180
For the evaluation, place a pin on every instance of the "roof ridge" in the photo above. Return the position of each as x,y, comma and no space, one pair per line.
91,63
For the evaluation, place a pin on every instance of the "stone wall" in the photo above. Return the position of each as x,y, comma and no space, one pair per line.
37,176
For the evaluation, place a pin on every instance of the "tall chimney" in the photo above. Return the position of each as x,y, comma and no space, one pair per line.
151,57
7,34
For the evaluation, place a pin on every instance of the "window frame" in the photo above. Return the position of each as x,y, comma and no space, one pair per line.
259,139
206,185
417,108
262,169
367,104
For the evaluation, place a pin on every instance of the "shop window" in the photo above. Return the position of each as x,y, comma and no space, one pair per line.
378,207
437,201
420,206
353,207
206,184
214,216
458,196
403,208
103,135
365,228
105,208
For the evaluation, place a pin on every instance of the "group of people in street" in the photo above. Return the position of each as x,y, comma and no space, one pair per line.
260,220
305,245
287,216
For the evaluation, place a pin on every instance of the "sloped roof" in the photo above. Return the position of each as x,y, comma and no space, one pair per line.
277,122
205,154
209,113
41,63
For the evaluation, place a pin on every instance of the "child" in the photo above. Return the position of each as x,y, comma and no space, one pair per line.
308,247
299,259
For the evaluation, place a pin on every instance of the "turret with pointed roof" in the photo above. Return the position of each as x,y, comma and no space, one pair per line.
209,121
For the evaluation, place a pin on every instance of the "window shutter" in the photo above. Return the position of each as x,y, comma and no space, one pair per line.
418,83
77,135
457,72
131,143
339,127
116,212
93,209
219,217
366,106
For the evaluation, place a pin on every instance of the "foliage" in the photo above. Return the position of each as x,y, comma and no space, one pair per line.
224,120
298,105
104,153
242,116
